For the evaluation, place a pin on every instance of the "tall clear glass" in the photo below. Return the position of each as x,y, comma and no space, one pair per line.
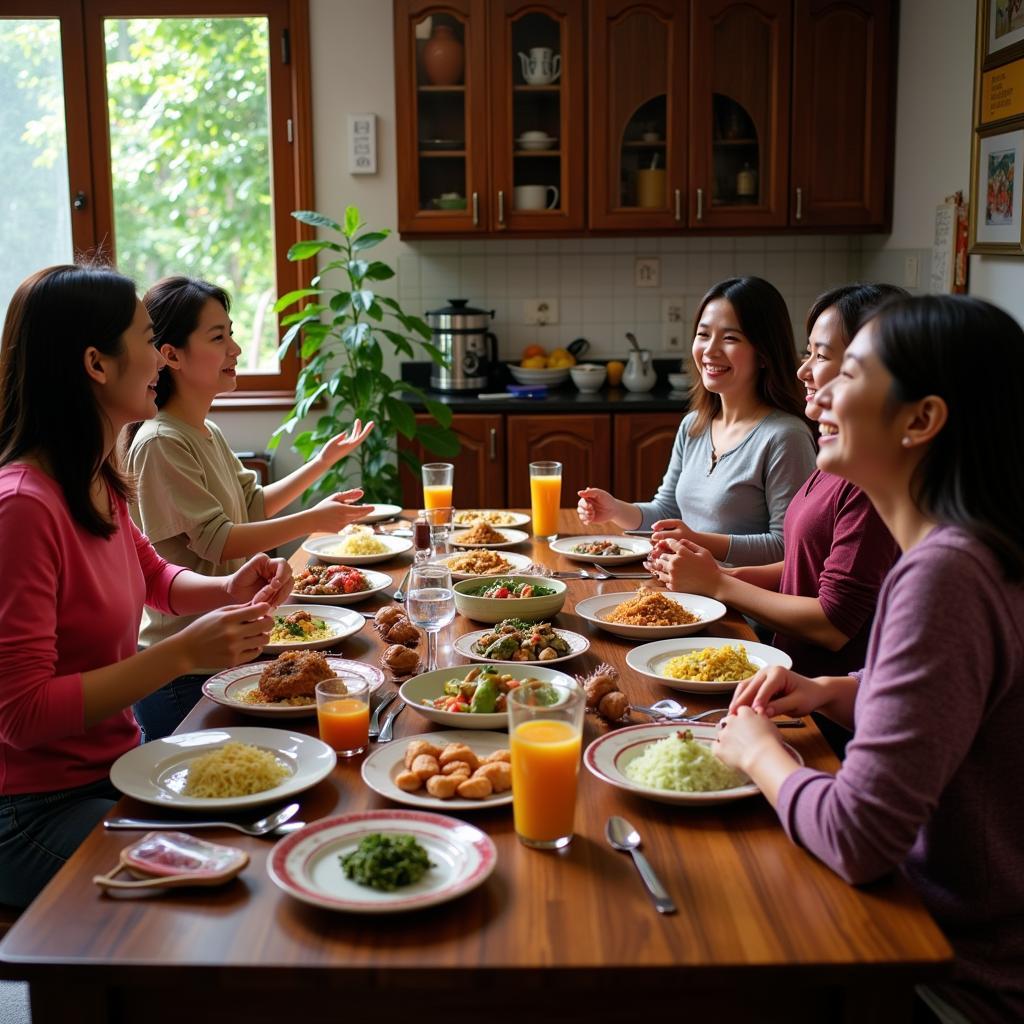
545,741
545,497
430,604
437,484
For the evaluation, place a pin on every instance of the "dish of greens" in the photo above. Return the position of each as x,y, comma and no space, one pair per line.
506,588
484,691
386,862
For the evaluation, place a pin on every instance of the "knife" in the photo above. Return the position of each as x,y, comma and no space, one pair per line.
387,729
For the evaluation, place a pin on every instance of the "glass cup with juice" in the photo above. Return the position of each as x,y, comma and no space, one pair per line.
545,726
545,498
343,713
437,484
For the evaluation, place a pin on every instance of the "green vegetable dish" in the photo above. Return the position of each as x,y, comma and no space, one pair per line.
506,588
515,640
386,862
484,691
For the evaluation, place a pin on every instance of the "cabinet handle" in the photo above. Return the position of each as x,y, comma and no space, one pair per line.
476,208
799,203
501,207
700,204
679,204
494,444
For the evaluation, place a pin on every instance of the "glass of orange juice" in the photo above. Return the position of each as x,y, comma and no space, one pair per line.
343,713
437,484
545,726
545,496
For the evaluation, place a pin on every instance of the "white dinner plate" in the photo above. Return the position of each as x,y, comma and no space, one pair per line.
609,754
512,538
381,512
378,581
323,549
340,621
228,687
649,660
156,772
307,863
593,609
387,761
517,561
466,517
636,548
577,645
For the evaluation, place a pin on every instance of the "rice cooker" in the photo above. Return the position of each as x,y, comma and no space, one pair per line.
471,350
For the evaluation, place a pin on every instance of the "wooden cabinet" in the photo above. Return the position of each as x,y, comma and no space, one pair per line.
581,443
641,451
843,113
479,466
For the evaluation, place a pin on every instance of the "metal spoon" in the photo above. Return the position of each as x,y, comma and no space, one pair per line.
257,828
674,711
623,837
662,708
631,338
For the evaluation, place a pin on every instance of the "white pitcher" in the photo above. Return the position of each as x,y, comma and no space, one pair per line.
542,66
639,374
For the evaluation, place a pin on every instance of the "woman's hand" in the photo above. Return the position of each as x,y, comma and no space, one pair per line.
744,738
686,567
262,580
227,636
778,691
671,529
595,506
344,444
336,512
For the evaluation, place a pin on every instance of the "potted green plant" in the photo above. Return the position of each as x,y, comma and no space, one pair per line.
344,326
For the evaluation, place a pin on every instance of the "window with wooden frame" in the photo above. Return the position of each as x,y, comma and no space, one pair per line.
169,137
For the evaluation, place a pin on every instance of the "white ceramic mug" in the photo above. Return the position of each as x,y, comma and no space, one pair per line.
542,66
535,197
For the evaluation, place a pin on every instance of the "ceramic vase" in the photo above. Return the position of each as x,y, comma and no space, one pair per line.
443,57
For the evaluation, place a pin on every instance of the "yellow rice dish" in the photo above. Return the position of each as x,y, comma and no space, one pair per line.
236,769
299,628
726,664
359,544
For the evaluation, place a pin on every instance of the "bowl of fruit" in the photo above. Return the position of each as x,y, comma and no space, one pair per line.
540,367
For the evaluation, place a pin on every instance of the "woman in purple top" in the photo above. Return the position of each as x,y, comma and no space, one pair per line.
821,598
931,781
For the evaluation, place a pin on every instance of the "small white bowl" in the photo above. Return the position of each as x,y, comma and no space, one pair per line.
679,381
588,377
536,140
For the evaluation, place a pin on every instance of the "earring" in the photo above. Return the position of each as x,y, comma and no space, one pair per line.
906,442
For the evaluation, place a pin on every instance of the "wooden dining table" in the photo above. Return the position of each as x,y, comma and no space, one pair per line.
763,932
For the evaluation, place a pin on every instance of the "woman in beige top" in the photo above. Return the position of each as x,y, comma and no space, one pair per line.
197,503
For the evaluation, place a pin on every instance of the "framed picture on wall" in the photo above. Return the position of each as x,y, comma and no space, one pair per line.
997,181
1002,31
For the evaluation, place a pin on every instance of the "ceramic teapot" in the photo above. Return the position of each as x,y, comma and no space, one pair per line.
639,374
541,66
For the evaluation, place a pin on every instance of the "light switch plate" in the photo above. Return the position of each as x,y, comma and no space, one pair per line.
362,143
647,272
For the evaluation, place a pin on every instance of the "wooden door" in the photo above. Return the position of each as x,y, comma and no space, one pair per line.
581,443
844,54
440,117
638,83
479,466
536,85
643,447
740,69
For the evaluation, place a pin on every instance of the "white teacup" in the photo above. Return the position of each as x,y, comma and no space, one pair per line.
535,197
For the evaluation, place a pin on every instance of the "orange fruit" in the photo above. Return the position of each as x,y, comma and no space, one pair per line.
615,371
533,350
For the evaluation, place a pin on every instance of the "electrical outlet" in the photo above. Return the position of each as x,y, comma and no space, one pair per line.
647,272
910,272
673,318
540,311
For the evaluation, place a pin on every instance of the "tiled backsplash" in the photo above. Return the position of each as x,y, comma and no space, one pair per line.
593,281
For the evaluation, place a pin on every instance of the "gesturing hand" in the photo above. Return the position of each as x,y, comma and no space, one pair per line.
595,506
336,512
344,444
262,580
227,636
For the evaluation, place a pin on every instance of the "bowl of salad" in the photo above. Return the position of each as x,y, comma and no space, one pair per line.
473,696
490,600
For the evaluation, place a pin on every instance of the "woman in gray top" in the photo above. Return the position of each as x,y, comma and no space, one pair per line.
744,448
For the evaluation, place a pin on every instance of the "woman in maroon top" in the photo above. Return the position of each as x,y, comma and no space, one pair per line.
821,598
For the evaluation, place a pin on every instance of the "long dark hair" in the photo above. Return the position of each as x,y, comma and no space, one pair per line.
854,303
972,475
48,408
764,319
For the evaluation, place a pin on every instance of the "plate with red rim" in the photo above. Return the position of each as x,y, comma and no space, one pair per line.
378,581
228,688
307,863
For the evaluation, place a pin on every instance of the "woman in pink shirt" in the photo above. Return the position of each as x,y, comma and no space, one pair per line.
926,417
77,364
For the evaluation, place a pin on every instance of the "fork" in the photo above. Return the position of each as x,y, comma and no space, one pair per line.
387,729
623,575
580,574
261,827
375,719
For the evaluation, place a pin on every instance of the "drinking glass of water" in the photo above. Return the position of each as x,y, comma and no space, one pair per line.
430,604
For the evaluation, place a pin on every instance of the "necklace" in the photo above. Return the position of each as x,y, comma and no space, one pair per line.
714,452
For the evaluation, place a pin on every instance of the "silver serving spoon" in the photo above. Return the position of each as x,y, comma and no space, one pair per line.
259,827
674,711
622,836
662,709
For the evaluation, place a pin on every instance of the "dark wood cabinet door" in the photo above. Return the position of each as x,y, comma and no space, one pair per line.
536,85
844,54
643,446
740,69
637,85
479,466
441,126
581,443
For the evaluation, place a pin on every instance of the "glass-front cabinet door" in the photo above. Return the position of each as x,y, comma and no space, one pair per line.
638,82
738,113
440,56
537,111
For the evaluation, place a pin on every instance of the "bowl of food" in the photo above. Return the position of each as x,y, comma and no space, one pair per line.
450,201
650,614
678,381
547,377
474,696
588,377
529,598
